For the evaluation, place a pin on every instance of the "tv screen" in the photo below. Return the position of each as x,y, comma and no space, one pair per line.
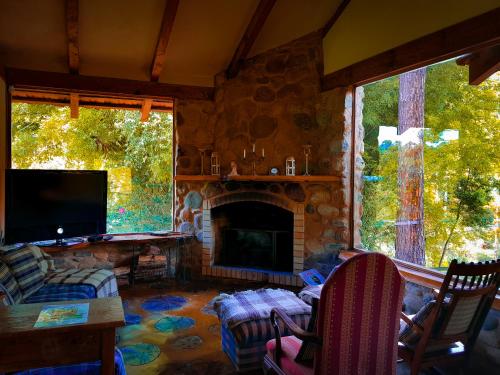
54,204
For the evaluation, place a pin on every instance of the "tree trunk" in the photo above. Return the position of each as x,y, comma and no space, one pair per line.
410,240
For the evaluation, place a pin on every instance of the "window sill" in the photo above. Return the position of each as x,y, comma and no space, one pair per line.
416,274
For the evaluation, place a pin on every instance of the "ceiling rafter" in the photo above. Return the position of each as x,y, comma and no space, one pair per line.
482,64
72,36
253,29
167,25
338,12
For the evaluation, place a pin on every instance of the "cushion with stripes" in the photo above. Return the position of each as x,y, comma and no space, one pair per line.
9,285
44,260
24,267
409,336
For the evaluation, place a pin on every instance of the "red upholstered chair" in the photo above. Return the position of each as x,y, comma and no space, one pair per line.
357,325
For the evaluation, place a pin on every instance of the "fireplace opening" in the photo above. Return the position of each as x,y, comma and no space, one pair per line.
253,235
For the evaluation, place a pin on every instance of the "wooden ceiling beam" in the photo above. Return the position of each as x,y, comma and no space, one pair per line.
467,36
167,25
146,109
253,29
72,35
91,85
74,105
338,12
482,64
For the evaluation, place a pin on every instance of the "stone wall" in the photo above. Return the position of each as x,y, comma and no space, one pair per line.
276,103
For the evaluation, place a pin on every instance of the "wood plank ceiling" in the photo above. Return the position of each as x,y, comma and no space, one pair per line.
194,41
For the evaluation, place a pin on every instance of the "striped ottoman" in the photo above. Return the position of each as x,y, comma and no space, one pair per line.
246,327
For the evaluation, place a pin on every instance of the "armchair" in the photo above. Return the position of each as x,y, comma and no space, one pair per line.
446,329
357,324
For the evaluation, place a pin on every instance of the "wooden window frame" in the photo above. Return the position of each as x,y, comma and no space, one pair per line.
449,43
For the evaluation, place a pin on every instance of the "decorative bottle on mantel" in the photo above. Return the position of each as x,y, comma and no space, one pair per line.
290,166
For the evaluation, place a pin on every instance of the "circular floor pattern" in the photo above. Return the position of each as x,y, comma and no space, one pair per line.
174,323
139,354
164,303
132,318
187,342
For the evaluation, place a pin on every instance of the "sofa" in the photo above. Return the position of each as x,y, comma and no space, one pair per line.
28,275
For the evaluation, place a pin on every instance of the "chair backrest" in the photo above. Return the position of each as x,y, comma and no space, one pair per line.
464,300
358,319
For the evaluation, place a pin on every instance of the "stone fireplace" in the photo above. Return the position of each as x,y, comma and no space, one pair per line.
254,236
276,103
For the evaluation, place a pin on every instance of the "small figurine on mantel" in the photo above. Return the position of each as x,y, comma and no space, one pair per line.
234,169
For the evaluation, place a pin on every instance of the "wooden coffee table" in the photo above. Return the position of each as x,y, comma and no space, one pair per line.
23,347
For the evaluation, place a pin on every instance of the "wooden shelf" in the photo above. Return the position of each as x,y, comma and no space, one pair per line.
196,177
258,178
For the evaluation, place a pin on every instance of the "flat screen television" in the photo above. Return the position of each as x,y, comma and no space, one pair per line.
54,204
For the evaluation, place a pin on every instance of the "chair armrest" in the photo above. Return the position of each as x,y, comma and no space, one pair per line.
411,323
293,327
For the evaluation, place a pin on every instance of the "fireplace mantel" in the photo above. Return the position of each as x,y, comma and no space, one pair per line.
258,178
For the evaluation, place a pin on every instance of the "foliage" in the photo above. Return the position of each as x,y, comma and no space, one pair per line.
460,176
137,155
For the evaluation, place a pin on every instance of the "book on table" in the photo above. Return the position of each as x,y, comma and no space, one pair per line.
62,315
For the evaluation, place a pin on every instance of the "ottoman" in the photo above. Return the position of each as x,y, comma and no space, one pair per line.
245,323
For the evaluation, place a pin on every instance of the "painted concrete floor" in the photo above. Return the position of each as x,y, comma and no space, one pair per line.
171,329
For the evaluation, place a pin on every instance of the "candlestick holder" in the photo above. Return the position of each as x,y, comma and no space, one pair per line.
307,153
202,151
254,158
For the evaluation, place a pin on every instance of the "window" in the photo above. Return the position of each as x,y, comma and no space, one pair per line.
432,167
137,156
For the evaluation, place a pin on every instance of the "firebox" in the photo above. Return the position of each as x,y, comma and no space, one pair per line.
253,235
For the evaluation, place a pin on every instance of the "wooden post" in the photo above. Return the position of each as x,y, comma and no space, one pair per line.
146,109
74,105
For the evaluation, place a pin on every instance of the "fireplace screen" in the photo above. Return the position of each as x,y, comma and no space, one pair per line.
254,235
266,249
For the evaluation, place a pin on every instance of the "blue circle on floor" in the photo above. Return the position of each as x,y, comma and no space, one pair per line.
174,323
132,318
164,303
140,354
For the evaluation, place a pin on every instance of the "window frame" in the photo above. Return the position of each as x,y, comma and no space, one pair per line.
417,274
112,104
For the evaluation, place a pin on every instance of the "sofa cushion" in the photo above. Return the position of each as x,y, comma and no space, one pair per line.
9,285
24,267
103,281
62,292
44,260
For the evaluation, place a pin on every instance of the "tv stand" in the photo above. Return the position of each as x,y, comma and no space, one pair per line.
60,242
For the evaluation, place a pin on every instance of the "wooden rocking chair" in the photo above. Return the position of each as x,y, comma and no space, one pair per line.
357,327
452,323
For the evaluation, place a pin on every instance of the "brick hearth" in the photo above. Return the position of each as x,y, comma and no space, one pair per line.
284,278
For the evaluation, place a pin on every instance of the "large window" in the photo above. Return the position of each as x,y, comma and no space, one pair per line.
137,156
432,166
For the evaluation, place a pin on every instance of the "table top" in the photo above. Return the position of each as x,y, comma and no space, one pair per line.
20,319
